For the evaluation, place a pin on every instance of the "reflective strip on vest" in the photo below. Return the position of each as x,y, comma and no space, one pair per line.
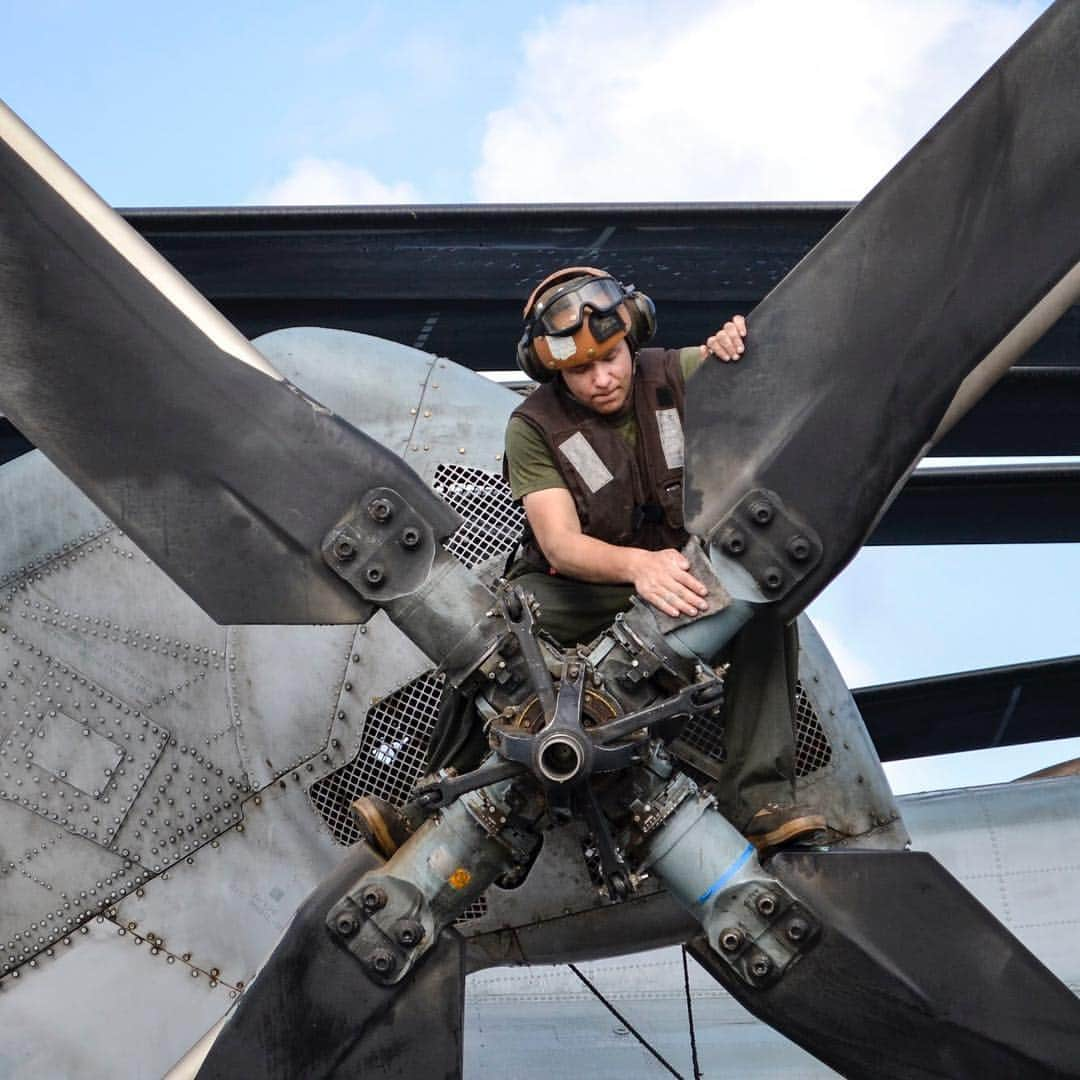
671,437
586,462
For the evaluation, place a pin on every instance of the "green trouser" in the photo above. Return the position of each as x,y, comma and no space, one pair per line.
760,687
573,612
759,715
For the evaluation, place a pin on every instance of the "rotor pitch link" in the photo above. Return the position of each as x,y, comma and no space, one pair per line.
752,923
518,613
442,792
694,700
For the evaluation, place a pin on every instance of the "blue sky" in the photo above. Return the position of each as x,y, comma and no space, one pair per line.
201,104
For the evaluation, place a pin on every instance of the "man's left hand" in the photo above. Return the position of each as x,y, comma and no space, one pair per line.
727,343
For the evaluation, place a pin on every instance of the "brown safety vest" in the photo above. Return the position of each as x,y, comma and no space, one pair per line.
626,496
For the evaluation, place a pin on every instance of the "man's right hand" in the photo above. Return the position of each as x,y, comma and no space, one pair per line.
663,578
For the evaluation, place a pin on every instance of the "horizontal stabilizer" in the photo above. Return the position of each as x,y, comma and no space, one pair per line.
973,710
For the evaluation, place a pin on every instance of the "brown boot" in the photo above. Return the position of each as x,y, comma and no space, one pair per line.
774,827
382,827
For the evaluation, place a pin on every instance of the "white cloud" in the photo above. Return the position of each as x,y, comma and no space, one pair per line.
733,99
313,181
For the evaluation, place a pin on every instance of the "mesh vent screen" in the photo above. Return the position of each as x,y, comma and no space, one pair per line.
812,749
390,759
493,521
388,764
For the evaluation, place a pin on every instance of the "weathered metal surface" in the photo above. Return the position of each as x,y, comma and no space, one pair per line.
1013,846
224,907
921,979
312,1012
226,474
848,785
423,407
109,1004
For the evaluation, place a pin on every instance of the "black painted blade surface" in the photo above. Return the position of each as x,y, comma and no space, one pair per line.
853,360
312,1012
911,978
220,470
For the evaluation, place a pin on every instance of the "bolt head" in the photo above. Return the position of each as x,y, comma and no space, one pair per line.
766,904
798,547
374,575
760,966
773,578
797,930
382,961
730,940
373,898
410,933
761,512
410,538
733,542
344,549
381,509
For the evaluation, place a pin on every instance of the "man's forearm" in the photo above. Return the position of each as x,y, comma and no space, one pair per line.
588,559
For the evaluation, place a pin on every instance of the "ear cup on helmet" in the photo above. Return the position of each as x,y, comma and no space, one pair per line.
529,362
642,312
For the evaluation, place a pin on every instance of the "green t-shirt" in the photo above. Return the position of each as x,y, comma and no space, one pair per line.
528,459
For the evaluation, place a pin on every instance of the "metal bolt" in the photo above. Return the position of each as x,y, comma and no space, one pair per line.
733,542
797,930
373,898
766,904
730,940
410,537
374,575
760,966
344,549
773,578
761,512
382,961
410,933
381,509
798,547
346,924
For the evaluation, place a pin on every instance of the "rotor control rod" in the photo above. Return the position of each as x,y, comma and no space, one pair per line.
392,916
751,921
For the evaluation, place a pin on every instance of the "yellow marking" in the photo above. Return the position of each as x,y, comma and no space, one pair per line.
460,878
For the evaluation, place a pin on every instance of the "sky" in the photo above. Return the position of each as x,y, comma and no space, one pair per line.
339,102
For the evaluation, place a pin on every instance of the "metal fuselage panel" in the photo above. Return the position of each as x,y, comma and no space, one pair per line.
218,751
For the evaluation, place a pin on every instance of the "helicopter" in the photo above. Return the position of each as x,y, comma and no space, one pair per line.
265,507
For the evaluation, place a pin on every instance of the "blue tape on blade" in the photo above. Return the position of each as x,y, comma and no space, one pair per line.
728,874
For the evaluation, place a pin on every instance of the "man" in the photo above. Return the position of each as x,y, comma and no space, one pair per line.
596,455
604,503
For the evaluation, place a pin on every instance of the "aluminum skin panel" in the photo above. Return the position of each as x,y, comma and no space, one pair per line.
104,1006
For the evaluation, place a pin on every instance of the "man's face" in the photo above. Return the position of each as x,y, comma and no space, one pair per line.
602,384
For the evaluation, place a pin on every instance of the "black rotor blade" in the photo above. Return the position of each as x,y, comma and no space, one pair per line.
313,1012
911,977
973,710
854,359
165,415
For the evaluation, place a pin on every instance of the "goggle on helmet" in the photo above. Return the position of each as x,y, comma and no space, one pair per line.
574,316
